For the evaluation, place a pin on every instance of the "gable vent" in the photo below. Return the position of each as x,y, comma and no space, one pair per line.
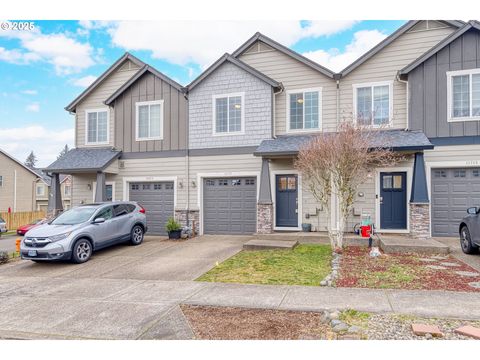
121,164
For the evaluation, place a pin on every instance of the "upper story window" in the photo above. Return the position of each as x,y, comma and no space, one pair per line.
67,190
97,125
40,190
373,103
1,180
463,95
228,114
149,120
304,110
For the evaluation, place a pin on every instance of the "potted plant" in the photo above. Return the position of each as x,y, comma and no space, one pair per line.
174,229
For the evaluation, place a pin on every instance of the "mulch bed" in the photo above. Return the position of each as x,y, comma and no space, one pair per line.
227,323
401,271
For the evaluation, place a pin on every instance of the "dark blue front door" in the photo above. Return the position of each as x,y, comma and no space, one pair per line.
286,212
393,200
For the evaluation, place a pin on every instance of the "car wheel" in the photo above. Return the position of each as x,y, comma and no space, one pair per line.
82,251
466,241
137,235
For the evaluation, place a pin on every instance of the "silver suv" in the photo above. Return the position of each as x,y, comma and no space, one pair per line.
76,233
3,226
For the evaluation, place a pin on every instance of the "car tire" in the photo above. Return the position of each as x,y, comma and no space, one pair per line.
136,235
466,241
82,251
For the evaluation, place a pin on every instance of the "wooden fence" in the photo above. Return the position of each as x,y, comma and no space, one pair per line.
16,219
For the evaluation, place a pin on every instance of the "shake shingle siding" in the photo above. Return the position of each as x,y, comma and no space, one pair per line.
228,79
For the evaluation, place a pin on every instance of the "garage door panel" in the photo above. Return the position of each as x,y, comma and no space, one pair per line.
229,205
452,193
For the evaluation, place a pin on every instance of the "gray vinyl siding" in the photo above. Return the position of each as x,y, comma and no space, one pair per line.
227,79
428,88
148,88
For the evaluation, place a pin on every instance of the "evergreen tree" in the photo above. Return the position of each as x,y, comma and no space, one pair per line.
63,152
31,160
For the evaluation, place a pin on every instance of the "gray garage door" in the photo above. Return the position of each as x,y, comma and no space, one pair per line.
157,198
229,205
453,191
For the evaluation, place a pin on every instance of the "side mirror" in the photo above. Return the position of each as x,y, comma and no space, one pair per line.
99,221
472,210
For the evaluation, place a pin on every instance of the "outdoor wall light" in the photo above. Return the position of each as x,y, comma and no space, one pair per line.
194,184
180,185
361,194
89,186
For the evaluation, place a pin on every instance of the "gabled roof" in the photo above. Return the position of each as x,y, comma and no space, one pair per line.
388,40
127,56
18,162
448,40
136,76
84,160
236,62
43,176
277,46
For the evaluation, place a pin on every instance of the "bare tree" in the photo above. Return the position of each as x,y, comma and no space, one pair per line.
339,163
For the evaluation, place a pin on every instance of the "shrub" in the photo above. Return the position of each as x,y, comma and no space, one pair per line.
3,257
172,225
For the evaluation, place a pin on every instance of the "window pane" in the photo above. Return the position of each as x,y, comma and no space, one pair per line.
92,127
380,105
282,183
102,126
143,121
235,113
397,182
296,111
292,183
109,192
461,96
311,110
387,182
221,111
364,105
155,120
476,95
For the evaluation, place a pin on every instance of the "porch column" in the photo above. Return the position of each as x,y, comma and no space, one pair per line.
55,203
265,205
419,202
100,190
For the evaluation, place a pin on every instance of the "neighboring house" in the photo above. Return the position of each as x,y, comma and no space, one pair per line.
221,150
42,190
17,185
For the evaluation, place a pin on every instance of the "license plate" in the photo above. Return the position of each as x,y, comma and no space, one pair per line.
32,252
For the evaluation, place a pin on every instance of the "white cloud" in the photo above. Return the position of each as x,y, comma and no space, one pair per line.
336,60
33,107
29,92
208,40
45,143
66,54
84,81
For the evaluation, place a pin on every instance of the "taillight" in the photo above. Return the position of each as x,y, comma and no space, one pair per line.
142,210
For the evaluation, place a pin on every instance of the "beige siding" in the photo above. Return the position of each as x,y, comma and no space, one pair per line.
25,186
384,66
95,101
294,75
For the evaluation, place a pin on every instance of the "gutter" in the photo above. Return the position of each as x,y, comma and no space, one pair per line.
397,77
274,105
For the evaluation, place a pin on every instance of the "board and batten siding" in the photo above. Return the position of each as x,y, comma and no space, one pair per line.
384,66
428,88
294,75
257,112
175,111
95,101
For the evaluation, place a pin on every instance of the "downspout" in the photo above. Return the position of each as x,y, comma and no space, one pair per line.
274,105
406,96
187,162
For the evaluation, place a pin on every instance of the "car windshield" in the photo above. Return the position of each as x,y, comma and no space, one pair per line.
75,216
1,220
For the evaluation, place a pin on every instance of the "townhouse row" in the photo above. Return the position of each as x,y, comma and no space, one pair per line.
220,152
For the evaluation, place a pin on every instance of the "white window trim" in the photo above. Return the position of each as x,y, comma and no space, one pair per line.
88,111
390,101
42,187
450,75
320,110
153,102
106,183
65,191
214,115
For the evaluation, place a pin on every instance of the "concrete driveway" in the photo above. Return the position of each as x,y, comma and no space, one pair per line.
455,250
122,293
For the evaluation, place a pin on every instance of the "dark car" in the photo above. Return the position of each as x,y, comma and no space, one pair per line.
470,231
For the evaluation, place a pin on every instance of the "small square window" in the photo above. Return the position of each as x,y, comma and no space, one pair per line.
292,183
146,186
157,186
210,182
168,186
134,187
459,173
250,182
476,172
236,182
282,183
397,182
440,174
387,181
223,182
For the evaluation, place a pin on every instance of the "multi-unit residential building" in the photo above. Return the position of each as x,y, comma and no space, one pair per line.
220,152
42,190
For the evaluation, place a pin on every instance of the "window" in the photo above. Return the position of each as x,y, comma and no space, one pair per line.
476,173
304,110
228,114
169,186
210,182
1,181
40,190
134,187
106,213
236,182
459,173
68,190
463,95
157,186
149,120
250,182
373,104
120,210
440,174
109,192
146,186
223,182
97,126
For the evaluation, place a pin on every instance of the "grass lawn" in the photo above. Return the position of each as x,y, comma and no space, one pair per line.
305,265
